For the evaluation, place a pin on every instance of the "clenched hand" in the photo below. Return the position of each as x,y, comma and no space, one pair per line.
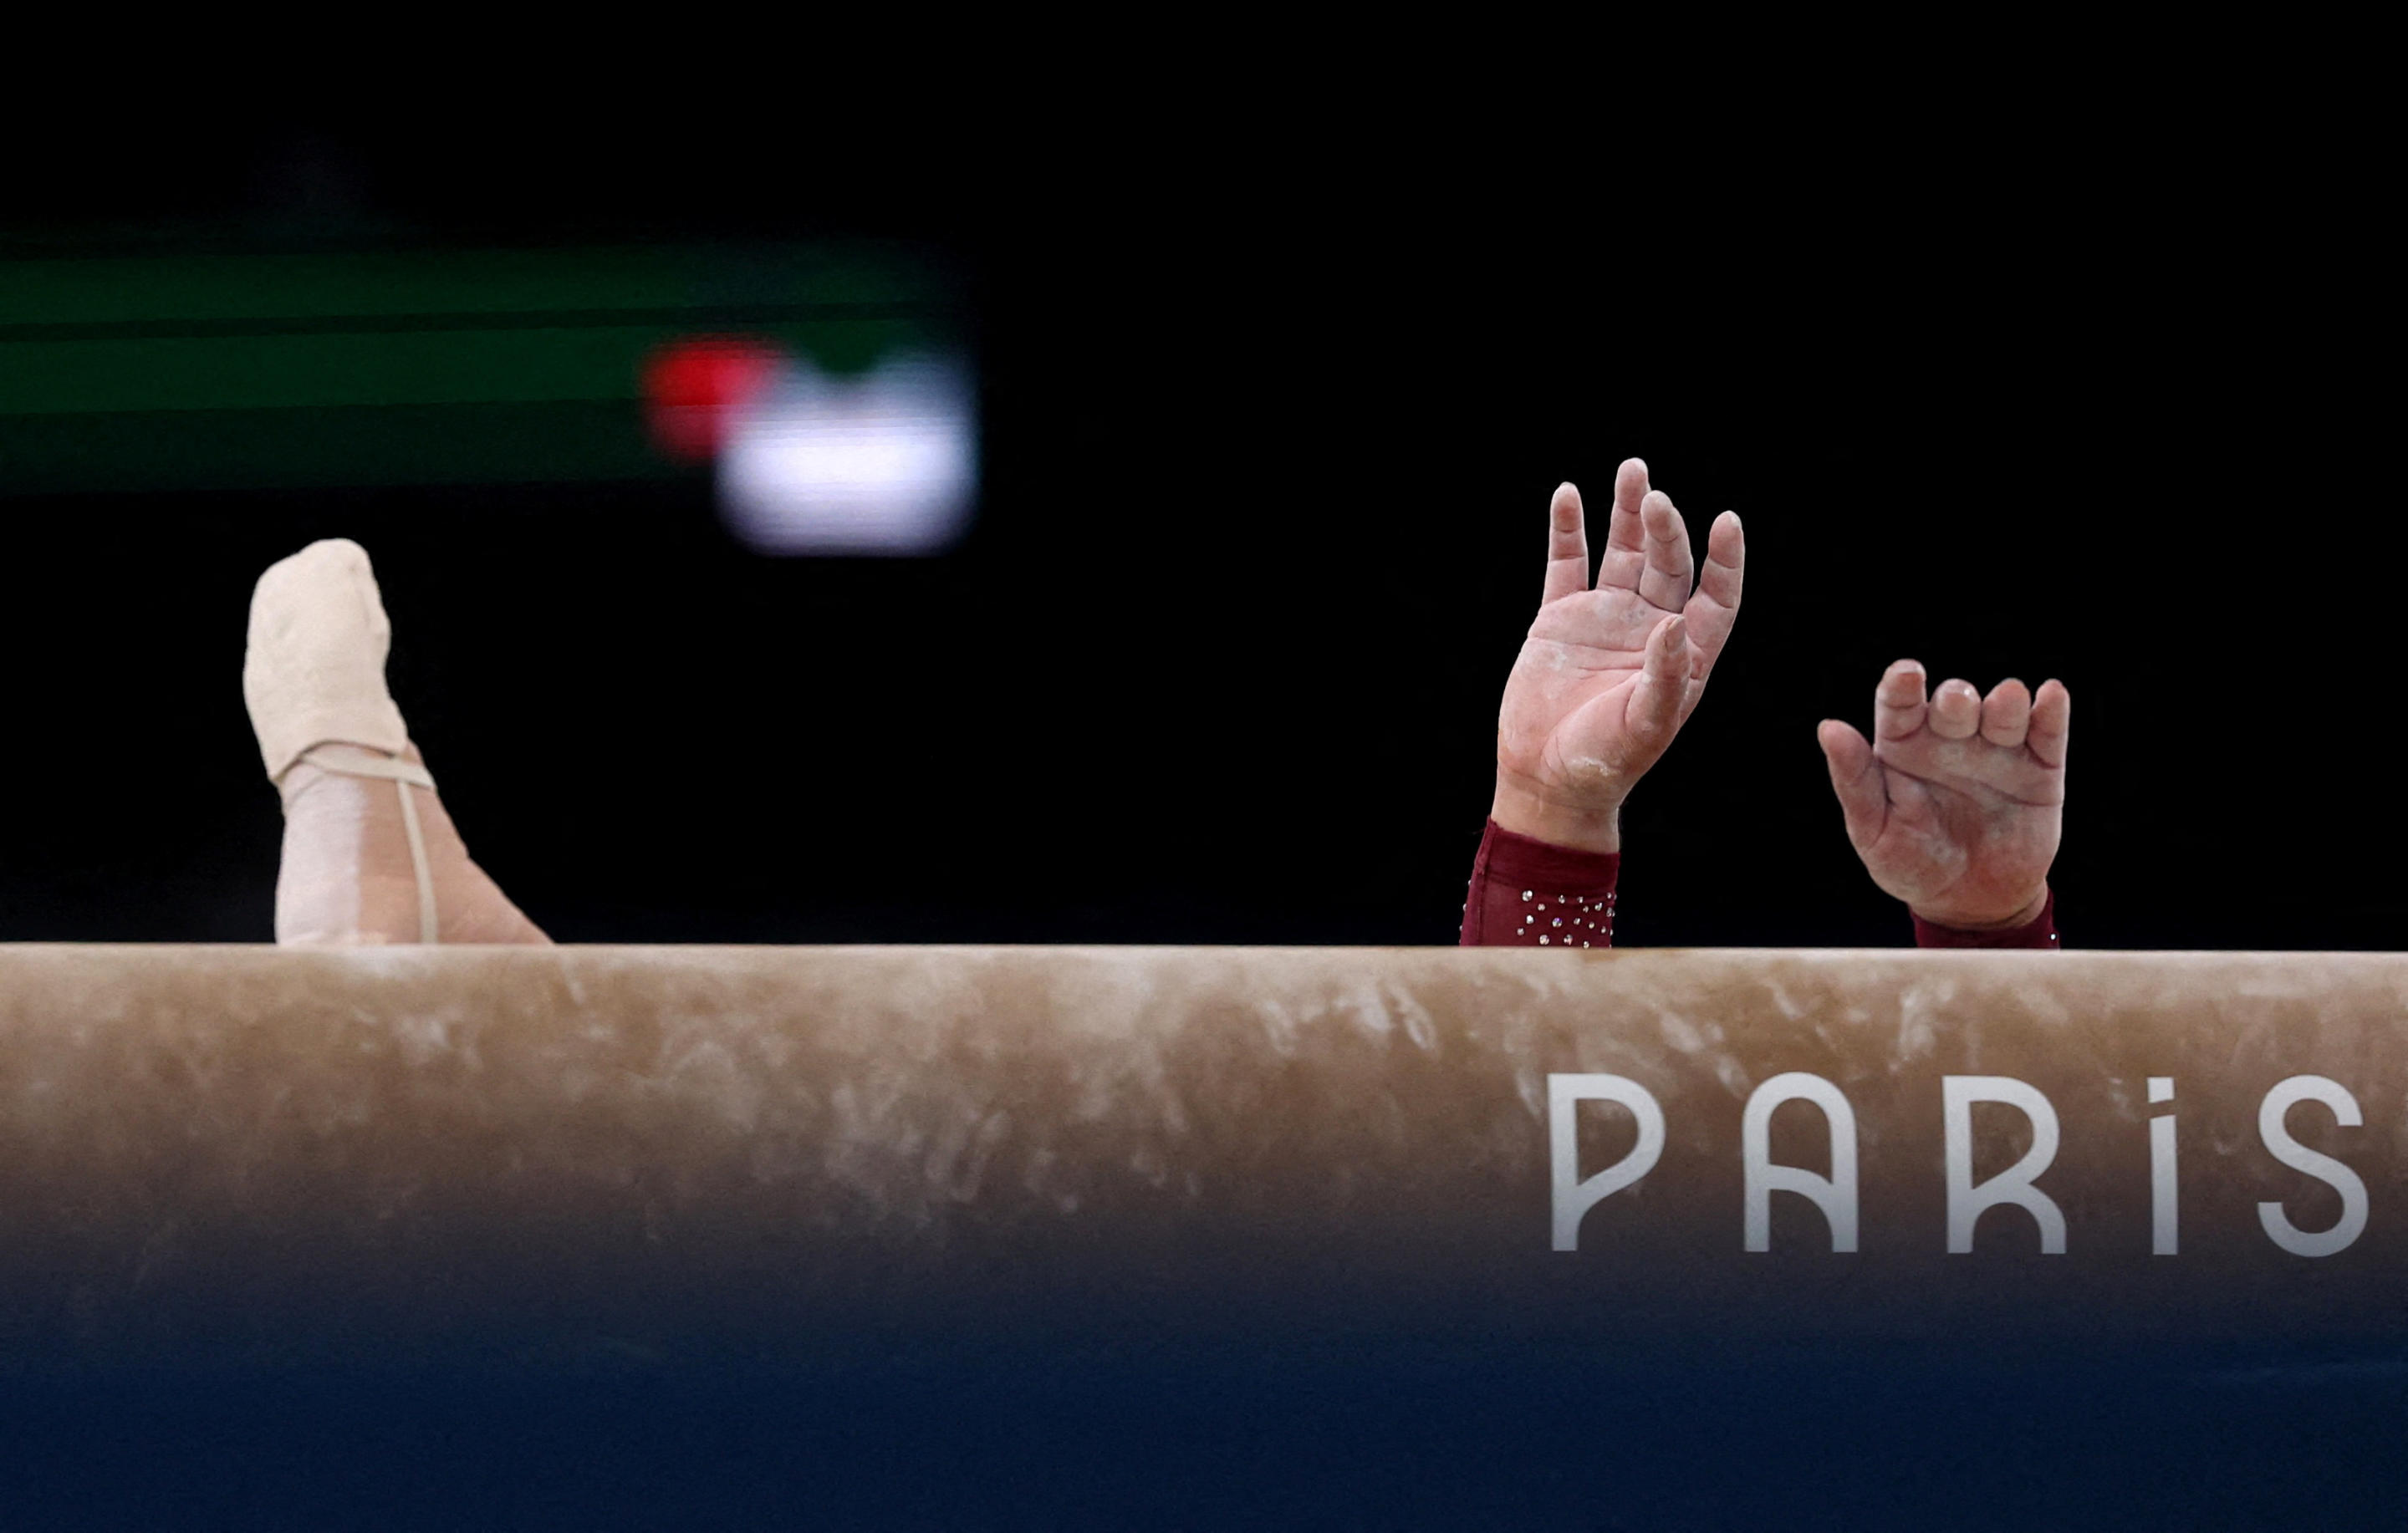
1956,804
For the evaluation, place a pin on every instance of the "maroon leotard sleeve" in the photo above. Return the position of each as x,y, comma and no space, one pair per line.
2038,932
1533,893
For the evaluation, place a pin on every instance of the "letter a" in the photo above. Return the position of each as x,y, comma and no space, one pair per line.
1835,1195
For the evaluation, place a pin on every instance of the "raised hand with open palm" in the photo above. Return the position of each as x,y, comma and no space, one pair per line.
1609,671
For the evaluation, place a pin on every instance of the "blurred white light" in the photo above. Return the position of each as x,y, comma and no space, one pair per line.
883,464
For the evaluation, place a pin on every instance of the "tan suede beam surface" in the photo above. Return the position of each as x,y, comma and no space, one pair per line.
776,1149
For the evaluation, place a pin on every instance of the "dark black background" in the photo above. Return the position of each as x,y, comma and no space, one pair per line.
1272,410
1269,431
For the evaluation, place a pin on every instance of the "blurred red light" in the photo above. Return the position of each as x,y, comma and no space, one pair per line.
693,387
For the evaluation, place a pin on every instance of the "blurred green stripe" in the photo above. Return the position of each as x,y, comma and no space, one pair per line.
205,287
436,367
328,448
277,372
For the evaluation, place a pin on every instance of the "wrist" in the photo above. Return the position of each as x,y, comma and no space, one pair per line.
2023,915
1526,809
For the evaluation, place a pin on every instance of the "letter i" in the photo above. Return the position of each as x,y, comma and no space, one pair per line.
2162,1216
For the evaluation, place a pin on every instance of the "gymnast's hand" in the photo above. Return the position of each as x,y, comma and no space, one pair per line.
1956,805
1608,674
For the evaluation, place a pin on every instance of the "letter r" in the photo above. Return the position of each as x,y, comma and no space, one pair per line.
1966,1201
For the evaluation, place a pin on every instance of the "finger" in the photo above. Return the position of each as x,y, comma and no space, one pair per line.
1857,777
1714,609
1625,556
1654,711
2005,713
1898,702
1670,569
1566,545
2051,706
1955,709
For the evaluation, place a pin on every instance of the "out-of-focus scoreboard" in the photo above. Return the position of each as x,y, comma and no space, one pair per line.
439,367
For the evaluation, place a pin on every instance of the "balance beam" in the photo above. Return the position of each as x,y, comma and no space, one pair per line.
249,1152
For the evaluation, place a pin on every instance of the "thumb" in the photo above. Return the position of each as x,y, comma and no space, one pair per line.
1857,777
1654,708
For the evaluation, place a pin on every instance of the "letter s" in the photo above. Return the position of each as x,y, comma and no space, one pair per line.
2299,1157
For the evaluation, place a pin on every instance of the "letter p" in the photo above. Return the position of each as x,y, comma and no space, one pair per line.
1573,1197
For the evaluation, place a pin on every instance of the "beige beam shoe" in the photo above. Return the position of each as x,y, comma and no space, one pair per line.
313,678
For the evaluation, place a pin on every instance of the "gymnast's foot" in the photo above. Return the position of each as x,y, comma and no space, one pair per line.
370,857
